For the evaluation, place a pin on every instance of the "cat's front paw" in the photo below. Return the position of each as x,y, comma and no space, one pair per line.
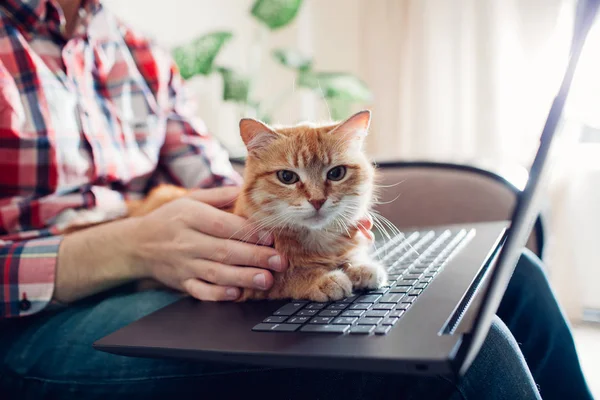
332,286
370,275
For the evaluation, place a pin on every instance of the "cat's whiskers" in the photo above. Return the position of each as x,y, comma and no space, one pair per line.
389,186
379,222
387,222
244,227
260,226
271,220
324,100
284,224
395,230
387,202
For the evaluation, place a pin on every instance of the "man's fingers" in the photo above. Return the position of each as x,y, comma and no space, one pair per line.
364,226
232,252
217,197
367,223
229,275
209,292
221,224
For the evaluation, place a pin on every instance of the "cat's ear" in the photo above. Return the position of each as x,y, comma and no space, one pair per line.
255,134
354,128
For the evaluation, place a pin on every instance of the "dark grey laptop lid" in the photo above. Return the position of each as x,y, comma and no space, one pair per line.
528,205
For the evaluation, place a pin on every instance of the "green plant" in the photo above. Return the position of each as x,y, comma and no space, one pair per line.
338,89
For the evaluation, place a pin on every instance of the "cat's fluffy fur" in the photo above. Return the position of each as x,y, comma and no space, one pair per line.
327,258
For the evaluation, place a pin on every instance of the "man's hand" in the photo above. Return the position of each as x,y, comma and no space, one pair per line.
188,244
193,246
364,226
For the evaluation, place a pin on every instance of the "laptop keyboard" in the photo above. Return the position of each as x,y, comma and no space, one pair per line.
413,261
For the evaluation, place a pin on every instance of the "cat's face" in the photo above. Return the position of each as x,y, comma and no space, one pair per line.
314,177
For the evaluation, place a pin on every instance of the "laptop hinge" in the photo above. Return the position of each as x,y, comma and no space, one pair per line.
461,309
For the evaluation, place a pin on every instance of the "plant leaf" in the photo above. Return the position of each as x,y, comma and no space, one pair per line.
265,118
235,85
343,86
335,85
275,13
339,108
197,57
308,79
293,59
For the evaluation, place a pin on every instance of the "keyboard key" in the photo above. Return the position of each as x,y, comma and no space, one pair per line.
344,320
369,321
400,289
391,298
297,320
368,298
325,328
409,299
289,309
359,306
349,299
329,313
389,321
420,286
412,276
377,291
382,329
315,306
425,280
415,292
383,306
406,282
353,313
396,314
321,320
274,320
341,306
362,329
307,313
403,306
429,275
376,313
276,327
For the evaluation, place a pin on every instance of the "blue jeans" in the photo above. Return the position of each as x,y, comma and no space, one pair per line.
529,353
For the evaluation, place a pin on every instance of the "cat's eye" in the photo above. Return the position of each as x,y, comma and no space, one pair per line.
336,173
287,177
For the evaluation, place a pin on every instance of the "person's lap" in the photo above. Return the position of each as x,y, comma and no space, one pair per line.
51,355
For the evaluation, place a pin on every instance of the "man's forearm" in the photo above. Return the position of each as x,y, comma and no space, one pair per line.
95,259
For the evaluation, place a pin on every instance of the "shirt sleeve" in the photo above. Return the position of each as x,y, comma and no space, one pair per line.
28,256
27,271
190,156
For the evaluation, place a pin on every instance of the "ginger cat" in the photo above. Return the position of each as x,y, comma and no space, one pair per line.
309,185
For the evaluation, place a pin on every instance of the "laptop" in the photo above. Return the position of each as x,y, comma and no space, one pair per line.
445,286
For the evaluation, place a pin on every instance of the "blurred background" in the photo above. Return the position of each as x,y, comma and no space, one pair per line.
467,81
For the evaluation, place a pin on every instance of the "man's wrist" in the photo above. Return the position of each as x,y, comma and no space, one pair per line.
133,259
97,258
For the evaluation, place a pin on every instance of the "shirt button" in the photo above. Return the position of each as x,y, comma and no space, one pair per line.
25,304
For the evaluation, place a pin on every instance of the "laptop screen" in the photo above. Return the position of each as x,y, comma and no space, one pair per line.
528,205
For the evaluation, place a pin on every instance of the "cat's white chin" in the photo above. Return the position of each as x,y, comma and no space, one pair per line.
317,221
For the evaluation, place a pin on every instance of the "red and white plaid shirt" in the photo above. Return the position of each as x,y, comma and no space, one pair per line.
85,123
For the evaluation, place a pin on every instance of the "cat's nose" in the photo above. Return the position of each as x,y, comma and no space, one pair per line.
317,204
